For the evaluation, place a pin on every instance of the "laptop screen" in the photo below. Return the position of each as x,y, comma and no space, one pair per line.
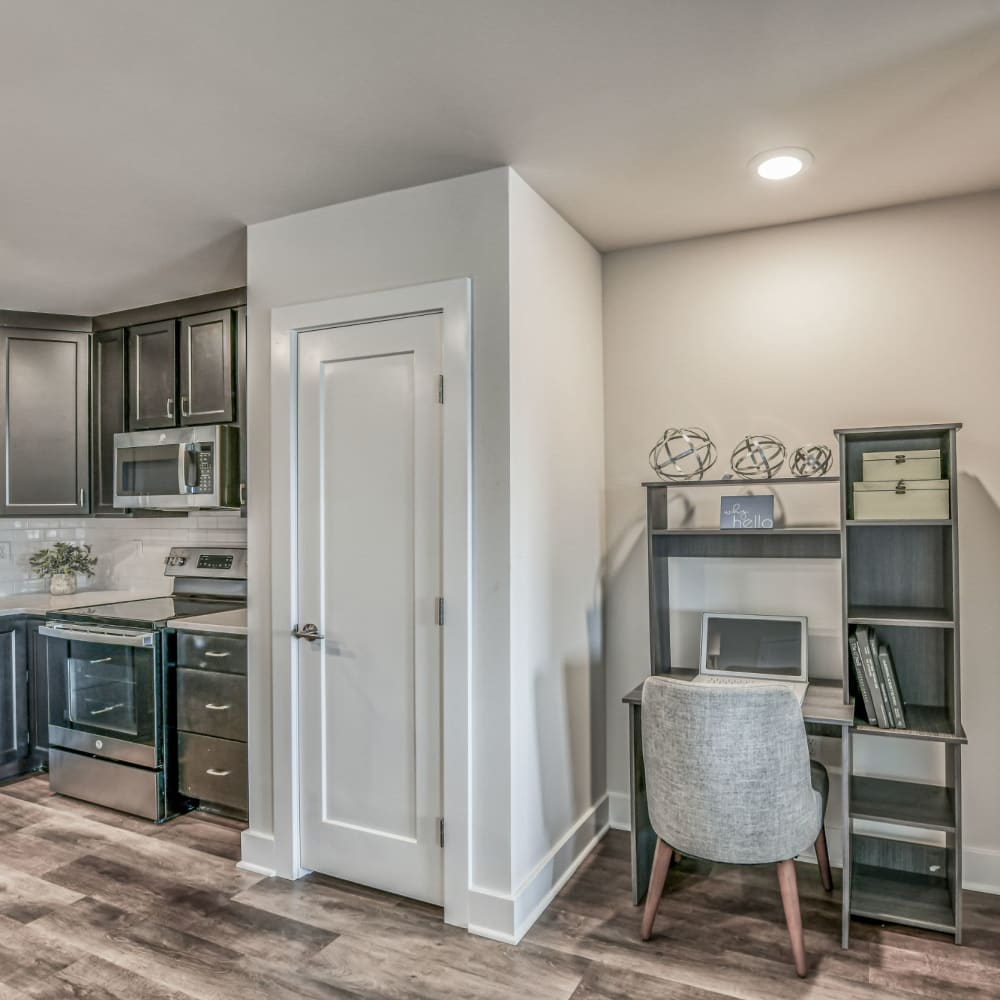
754,646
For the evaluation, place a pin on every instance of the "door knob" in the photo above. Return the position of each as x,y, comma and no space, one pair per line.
309,632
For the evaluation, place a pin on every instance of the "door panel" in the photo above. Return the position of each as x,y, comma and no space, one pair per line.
369,441
45,439
110,414
207,368
15,746
153,375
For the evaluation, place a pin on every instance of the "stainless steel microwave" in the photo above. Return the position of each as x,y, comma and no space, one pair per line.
181,467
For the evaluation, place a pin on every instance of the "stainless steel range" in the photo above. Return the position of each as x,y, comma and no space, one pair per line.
111,685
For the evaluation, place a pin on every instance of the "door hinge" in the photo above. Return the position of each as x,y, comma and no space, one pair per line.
441,832
440,611
440,388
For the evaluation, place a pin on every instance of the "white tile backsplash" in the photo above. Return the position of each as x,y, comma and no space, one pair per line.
130,551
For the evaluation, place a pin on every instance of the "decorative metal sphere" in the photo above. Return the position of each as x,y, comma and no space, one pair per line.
683,453
811,460
758,456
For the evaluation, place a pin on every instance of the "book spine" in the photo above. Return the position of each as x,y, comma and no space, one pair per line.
876,665
859,673
892,686
878,696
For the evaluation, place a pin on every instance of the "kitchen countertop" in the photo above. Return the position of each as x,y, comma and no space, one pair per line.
221,622
40,604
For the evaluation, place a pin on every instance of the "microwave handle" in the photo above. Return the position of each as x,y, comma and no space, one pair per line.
187,468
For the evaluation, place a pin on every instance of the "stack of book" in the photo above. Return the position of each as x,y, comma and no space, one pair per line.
876,677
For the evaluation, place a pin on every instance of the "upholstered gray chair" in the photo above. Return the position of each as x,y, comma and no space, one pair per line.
728,779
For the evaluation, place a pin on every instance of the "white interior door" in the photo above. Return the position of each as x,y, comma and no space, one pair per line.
369,557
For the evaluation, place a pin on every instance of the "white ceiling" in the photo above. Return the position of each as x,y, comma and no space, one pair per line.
141,136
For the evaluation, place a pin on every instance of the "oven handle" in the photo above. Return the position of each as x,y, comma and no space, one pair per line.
140,640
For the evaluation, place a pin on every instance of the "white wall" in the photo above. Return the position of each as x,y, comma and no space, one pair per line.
446,230
887,317
558,779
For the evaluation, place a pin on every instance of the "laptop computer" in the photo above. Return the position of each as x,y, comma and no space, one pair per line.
751,649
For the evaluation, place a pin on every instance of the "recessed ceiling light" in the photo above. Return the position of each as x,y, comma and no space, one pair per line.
780,164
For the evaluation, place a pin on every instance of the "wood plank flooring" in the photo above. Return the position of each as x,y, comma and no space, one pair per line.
96,905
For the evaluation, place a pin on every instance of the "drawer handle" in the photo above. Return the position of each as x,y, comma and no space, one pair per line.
900,459
217,774
103,659
211,652
901,487
218,708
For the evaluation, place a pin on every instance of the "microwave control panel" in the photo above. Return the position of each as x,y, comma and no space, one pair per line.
206,480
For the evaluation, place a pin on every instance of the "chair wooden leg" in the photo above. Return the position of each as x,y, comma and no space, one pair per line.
790,901
823,857
657,878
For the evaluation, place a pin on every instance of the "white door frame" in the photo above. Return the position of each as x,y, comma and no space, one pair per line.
452,299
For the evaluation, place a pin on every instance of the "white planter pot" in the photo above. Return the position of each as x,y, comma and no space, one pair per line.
62,584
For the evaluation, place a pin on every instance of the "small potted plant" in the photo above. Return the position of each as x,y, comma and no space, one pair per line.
62,564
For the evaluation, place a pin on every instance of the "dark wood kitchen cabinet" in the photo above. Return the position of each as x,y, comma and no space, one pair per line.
109,408
207,372
37,651
152,382
15,724
241,400
45,425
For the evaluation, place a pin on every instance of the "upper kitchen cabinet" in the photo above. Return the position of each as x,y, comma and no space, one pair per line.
45,442
152,383
109,402
207,372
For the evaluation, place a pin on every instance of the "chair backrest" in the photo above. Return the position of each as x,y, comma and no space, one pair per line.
727,771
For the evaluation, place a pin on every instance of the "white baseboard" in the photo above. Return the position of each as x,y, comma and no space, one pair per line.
257,850
981,869
619,812
508,917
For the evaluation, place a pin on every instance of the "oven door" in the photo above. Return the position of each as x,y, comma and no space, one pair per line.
105,692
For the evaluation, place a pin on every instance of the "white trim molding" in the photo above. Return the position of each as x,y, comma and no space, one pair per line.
257,853
452,300
981,869
508,917
619,817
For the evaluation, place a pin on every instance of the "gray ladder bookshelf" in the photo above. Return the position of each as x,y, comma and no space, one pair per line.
900,577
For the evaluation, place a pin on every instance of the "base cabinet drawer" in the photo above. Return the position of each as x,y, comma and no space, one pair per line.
213,770
223,653
211,703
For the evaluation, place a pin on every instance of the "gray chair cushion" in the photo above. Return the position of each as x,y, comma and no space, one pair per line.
728,775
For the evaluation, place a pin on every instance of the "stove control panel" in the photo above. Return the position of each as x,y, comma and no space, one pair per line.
215,561
221,562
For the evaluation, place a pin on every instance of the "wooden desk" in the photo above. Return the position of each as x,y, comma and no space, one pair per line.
824,713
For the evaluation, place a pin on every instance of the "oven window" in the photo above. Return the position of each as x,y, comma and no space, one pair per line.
148,471
101,694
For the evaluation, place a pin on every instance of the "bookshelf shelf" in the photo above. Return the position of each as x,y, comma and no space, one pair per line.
905,803
788,543
923,722
911,522
900,582
742,483
906,617
902,898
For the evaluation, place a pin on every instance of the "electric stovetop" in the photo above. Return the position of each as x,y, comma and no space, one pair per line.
153,612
